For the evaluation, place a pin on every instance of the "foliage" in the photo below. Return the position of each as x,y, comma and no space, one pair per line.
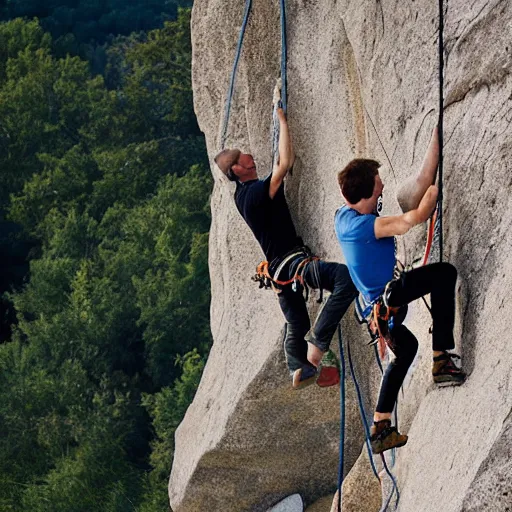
86,27
167,409
107,190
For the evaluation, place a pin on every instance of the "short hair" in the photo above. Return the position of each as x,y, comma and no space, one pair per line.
357,179
225,161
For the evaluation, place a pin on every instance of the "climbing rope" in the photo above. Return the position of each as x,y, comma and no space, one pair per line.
342,420
361,410
227,108
284,52
280,99
366,427
394,488
377,133
435,231
440,126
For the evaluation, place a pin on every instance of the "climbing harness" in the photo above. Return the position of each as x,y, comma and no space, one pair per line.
265,279
268,275
379,325
379,316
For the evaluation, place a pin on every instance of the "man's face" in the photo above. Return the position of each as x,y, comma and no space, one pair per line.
247,162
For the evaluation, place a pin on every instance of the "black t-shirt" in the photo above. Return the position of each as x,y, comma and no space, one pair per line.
269,219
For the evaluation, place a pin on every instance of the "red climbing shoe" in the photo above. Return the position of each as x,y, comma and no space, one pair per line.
445,371
329,370
384,437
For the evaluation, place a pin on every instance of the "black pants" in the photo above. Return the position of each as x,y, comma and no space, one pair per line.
335,278
439,280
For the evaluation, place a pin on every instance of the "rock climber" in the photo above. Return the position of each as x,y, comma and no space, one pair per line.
368,244
291,267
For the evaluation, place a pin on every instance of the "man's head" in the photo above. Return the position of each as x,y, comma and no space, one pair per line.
360,184
237,166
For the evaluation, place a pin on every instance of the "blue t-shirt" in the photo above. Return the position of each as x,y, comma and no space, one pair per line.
370,260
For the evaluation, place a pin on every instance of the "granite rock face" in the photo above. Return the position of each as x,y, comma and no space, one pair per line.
358,71
491,489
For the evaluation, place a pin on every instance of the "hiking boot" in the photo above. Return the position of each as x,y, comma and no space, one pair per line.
329,370
445,371
303,377
385,437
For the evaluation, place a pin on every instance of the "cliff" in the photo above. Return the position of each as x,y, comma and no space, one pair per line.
248,440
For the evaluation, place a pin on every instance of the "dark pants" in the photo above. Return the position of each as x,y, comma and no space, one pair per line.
335,278
439,280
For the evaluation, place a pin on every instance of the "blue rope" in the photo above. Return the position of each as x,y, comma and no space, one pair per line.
362,411
367,432
283,103
393,490
227,108
284,53
342,420
393,452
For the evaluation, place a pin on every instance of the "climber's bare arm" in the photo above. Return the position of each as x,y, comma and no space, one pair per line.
400,224
410,193
286,155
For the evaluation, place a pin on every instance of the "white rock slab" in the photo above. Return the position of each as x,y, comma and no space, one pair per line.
292,503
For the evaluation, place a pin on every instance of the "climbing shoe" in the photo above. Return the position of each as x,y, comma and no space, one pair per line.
329,370
446,372
384,437
303,377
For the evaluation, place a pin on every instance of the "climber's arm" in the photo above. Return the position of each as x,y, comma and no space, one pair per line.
411,192
286,155
400,224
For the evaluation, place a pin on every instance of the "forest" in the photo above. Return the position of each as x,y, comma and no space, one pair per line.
104,221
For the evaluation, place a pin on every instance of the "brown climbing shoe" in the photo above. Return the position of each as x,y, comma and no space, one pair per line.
445,372
384,437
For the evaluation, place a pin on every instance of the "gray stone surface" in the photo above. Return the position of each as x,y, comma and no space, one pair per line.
361,489
321,505
492,487
248,440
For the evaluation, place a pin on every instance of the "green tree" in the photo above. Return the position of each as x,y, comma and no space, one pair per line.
167,409
111,189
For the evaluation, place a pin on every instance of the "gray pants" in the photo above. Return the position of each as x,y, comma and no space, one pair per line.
333,277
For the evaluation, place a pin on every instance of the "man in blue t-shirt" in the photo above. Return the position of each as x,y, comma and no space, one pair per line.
368,244
262,204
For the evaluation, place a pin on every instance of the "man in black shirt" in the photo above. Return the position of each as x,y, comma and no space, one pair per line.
262,204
